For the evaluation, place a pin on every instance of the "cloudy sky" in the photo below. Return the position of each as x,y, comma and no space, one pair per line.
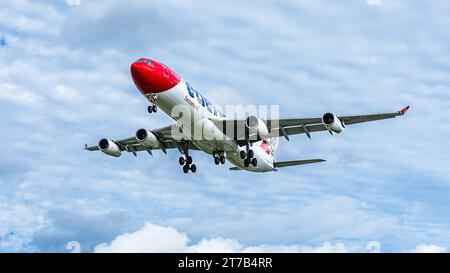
64,81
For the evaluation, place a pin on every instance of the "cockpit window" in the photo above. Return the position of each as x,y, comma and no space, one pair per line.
147,61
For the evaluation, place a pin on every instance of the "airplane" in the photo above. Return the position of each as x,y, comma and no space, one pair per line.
250,146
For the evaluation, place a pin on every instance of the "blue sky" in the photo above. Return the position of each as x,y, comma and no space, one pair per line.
64,81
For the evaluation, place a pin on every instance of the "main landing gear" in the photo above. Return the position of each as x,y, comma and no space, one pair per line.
219,158
248,157
186,159
186,162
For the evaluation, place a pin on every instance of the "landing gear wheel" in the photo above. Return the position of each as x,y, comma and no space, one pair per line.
181,161
243,154
152,108
185,159
246,162
250,154
216,160
222,159
254,162
189,160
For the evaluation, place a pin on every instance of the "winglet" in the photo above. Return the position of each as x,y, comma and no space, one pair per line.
404,110
85,146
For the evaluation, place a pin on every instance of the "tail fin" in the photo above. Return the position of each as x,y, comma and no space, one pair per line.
283,164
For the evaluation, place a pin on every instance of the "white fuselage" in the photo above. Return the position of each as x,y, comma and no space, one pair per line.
182,97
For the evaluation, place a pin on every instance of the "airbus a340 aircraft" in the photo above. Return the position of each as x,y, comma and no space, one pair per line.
248,143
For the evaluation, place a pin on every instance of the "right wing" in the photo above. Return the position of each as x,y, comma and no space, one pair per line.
163,135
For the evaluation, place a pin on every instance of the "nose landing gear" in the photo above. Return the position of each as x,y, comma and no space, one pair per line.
152,108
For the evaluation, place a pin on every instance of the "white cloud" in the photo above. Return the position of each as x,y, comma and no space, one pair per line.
73,2
30,17
217,245
150,238
155,238
13,93
424,248
373,2
64,93
18,222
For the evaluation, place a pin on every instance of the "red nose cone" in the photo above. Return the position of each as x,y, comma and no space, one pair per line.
141,76
153,77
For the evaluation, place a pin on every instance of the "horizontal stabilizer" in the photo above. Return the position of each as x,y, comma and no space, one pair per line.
283,164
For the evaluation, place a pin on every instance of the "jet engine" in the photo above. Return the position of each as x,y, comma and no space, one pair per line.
147,139
255,126
109,147
333,123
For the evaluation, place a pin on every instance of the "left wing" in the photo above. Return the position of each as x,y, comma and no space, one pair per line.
292,126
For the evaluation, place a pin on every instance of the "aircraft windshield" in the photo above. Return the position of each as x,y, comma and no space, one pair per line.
147,61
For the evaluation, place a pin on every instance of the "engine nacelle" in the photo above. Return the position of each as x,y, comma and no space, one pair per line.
255,125
147,139
109,147
333,123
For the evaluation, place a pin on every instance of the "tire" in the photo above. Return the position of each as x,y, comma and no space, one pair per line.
222,160
185,168
155,108
189,160
150,109
254,162
193,168
243,155
216,160
250,154
246,162
181,161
